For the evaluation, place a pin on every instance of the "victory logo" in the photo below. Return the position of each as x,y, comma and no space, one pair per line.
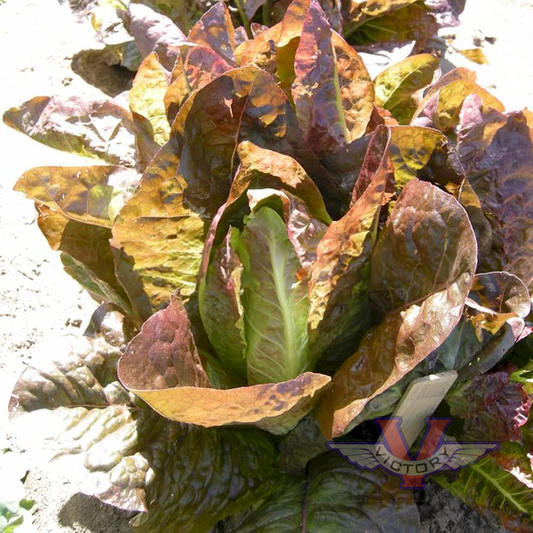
393,455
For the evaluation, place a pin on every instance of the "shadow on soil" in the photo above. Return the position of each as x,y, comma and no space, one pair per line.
95,516
95,68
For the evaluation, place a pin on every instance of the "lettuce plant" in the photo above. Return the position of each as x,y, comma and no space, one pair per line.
373,25
281,245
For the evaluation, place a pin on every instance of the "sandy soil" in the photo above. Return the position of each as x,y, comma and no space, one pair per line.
38,301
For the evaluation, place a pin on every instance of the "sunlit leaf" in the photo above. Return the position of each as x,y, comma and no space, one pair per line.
421,303
332,92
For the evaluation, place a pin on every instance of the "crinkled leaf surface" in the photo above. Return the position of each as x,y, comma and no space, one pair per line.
492,408
154,32
152,356
429,234
195,67
243,104
453,95
275,302
362,10
412,22
184,477
496,151
397,85
433,241
338,289
262,168
466,349
498,296
102,130
345,165
147,94
429,101
215,30
90,194
333,496
157,241
440,108
303,229
426,154
265,169
332,92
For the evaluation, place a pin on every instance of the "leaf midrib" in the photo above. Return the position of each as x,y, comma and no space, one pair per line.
401,83
499,487
278,259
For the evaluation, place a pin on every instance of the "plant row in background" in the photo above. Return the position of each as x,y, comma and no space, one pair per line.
281,244
373,25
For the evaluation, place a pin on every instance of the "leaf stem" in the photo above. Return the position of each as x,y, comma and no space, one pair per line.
266,13
244,18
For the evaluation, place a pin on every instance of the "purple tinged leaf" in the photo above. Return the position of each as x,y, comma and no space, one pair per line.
491,406
466,350
377,164
125,454
338,289
215,30
427,105
345,165
274,49
262,169
411,22
496,152
102,130
442,104
333,93
358,11
262,50
425,153
154,32
446,11
276,407
173,358
304,231
293,21
500,293
243,104
195,67
429,233
432,243
251,6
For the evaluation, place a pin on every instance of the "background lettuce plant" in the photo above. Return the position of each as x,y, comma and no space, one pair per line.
280,245
374,25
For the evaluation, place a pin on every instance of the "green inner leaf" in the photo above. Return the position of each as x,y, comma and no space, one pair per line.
275,302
